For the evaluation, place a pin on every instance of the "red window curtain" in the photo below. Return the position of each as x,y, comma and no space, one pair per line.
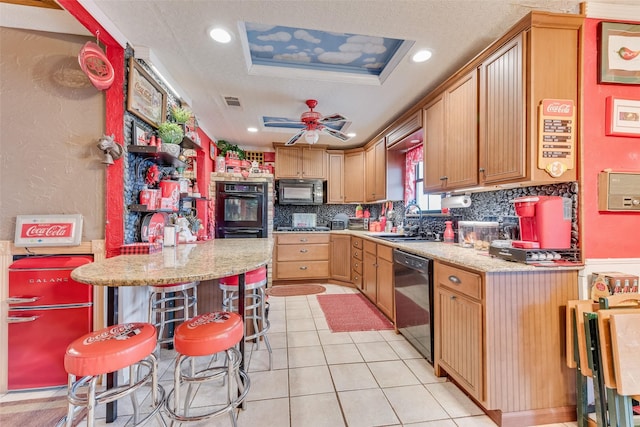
413,157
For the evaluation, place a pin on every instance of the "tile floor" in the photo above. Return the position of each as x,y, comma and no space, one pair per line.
320,378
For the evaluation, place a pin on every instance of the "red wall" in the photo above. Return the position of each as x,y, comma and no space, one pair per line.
604,234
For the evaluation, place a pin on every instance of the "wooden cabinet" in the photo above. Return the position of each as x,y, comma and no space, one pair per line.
340,257
335,180
357,256
458,319
301,256
404,128
377,276
451,143
301,163
504,331
383,173
354,176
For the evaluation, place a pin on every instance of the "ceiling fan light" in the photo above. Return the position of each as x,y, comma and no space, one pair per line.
220,35
252,129
311,136
421,56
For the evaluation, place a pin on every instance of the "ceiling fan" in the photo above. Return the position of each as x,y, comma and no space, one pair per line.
314,123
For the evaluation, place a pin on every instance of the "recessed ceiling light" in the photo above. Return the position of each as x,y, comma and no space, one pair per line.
415,141
351,135
421,56
220,35
252,129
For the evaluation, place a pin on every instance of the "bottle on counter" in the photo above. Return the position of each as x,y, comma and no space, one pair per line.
448,232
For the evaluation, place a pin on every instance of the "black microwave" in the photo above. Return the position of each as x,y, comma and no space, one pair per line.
301,191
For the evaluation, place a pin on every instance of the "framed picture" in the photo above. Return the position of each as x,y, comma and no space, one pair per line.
48,230
138,135
622,117
145,97
619,56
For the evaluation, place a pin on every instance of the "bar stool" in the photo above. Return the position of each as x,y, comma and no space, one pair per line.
256,310
108,350
207,335
171,299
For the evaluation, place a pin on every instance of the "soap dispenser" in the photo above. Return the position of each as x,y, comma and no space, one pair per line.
448,232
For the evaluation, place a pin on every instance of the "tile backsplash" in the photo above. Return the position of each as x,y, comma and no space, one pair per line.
486,206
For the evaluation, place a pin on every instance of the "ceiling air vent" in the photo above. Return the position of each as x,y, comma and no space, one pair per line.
232,101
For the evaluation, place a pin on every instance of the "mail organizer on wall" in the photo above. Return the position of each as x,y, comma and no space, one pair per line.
619,191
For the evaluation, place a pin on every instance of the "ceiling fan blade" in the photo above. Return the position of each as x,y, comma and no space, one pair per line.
275,123
333,118
295,137
336,133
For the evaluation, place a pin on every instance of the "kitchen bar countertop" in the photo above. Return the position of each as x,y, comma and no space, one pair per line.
183,263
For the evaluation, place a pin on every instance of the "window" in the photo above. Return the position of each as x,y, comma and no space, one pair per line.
427,202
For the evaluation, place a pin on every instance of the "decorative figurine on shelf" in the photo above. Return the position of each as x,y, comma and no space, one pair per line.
153,175
184,231
255,167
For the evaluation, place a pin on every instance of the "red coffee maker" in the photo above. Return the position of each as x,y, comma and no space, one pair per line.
545,222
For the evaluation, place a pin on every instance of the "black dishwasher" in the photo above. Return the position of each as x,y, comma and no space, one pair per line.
414,300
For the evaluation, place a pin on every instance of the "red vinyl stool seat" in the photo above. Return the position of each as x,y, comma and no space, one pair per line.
256,309
116,347
207,335
170,305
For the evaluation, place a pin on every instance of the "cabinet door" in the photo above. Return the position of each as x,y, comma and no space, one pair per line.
385,288
460,339
288,162
502,134
434,144
335,181
461,132
314,163
369,271
380,188
354,177
370,174
341,257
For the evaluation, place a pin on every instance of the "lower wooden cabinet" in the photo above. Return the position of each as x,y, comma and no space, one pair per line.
377,276
356,261
301,256
369,270
340,249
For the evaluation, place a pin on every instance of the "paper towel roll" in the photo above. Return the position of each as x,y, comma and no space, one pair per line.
456,202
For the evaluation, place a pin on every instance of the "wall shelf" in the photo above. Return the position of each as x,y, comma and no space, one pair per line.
154,152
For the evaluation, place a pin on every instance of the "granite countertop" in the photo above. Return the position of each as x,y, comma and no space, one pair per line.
183,263
480,261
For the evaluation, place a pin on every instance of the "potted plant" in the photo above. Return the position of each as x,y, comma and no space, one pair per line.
225,147
171,134
180,114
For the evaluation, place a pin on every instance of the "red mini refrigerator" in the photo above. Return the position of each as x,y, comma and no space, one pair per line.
47,310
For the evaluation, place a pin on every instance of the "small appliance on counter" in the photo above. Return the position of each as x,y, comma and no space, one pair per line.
339,222
477,234
356,223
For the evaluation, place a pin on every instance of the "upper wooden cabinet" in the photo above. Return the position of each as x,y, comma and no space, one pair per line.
354,177
383,173
335,180
301,162
404,128
450,143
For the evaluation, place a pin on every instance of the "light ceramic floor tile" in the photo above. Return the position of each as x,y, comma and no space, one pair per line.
294,325
424,371
438,423
391,335
405,350
376,351
318,410
321,323
328,337
453,400
366,336
277,339
352,376
264,413
268,385
310,380
342,353
299,313
306,356
302,338
477,421
392,373
366,408
414,404
260,360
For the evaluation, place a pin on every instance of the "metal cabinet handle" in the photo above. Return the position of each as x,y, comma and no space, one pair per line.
453,297
443,178
22,319
454,279
304,251
356,265
355,254
303,239
21,300
304,267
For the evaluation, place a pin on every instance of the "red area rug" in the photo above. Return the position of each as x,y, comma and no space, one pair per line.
352,313
295,290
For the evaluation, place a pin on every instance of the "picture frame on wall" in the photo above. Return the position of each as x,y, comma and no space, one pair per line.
622,117
138,135
619,55
146,99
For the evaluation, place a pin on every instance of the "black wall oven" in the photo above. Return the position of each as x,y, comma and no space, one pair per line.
241,210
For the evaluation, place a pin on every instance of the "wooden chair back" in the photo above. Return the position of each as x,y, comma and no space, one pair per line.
621,300
576,336
608,349
625,343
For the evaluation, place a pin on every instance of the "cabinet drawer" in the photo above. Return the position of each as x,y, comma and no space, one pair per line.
385,252
303,252
297,238
357,254
356,265
356,278
356,242
462,281
370,246
303,270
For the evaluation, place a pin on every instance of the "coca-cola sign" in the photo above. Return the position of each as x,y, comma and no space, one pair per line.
557,107
48,230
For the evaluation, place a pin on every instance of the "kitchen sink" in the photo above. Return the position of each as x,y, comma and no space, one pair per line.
402,238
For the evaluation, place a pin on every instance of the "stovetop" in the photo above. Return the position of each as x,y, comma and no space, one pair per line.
302,229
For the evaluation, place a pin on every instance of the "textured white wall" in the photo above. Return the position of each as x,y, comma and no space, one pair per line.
50,120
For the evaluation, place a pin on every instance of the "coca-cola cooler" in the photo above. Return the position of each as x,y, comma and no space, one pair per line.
47,310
